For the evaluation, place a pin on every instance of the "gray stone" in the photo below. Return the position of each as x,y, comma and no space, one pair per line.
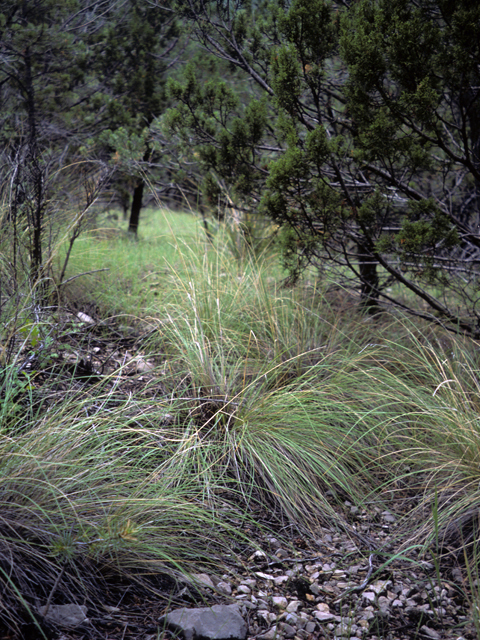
287,630
324,616
431,633
293,605
225,588
220,622
243,588
65,615
379,587
204,580
368,596
271,634
280,602
292,618
310,627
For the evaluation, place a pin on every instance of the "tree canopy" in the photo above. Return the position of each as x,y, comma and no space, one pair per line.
360,138
353,125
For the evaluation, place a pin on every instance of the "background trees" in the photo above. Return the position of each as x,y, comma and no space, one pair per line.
45,85
364,144
136,50
355,127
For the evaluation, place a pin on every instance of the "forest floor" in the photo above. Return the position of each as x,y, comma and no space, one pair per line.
180,428
352,582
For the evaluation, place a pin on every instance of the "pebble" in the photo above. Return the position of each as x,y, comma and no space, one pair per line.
225,588
300,600
431,633
287,630
280,602
271,634
243,588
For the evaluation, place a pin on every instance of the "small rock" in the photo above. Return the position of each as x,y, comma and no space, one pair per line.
204,579
431,633
65,615
264,576
388,517
242,588
324,616
280,602
271,634
266,616
225,588
368,596
220,622
278,580
380,586
142,365
287,630
292,606
345,628
250,582
274,542
292,618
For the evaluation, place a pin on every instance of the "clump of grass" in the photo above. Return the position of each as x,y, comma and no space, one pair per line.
432,442
84,493
270,387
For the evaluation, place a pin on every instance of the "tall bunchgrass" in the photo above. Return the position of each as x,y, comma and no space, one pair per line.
438,438
86,492
232,339
279,400
270,385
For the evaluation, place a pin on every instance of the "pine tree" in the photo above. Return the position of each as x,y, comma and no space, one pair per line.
364,145
135,52
45,81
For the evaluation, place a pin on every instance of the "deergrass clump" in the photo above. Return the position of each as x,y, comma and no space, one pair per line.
274,392
84,494
263,400
434,432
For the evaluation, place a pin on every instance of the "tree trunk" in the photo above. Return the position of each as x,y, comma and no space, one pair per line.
137,198
136,208
35,177
369,279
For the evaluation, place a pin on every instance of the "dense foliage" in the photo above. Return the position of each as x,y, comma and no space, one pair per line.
361,138
353,126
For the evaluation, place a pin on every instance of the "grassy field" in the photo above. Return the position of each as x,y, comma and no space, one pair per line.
197,390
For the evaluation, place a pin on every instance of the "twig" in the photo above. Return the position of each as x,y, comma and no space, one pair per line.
55,585
79,275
